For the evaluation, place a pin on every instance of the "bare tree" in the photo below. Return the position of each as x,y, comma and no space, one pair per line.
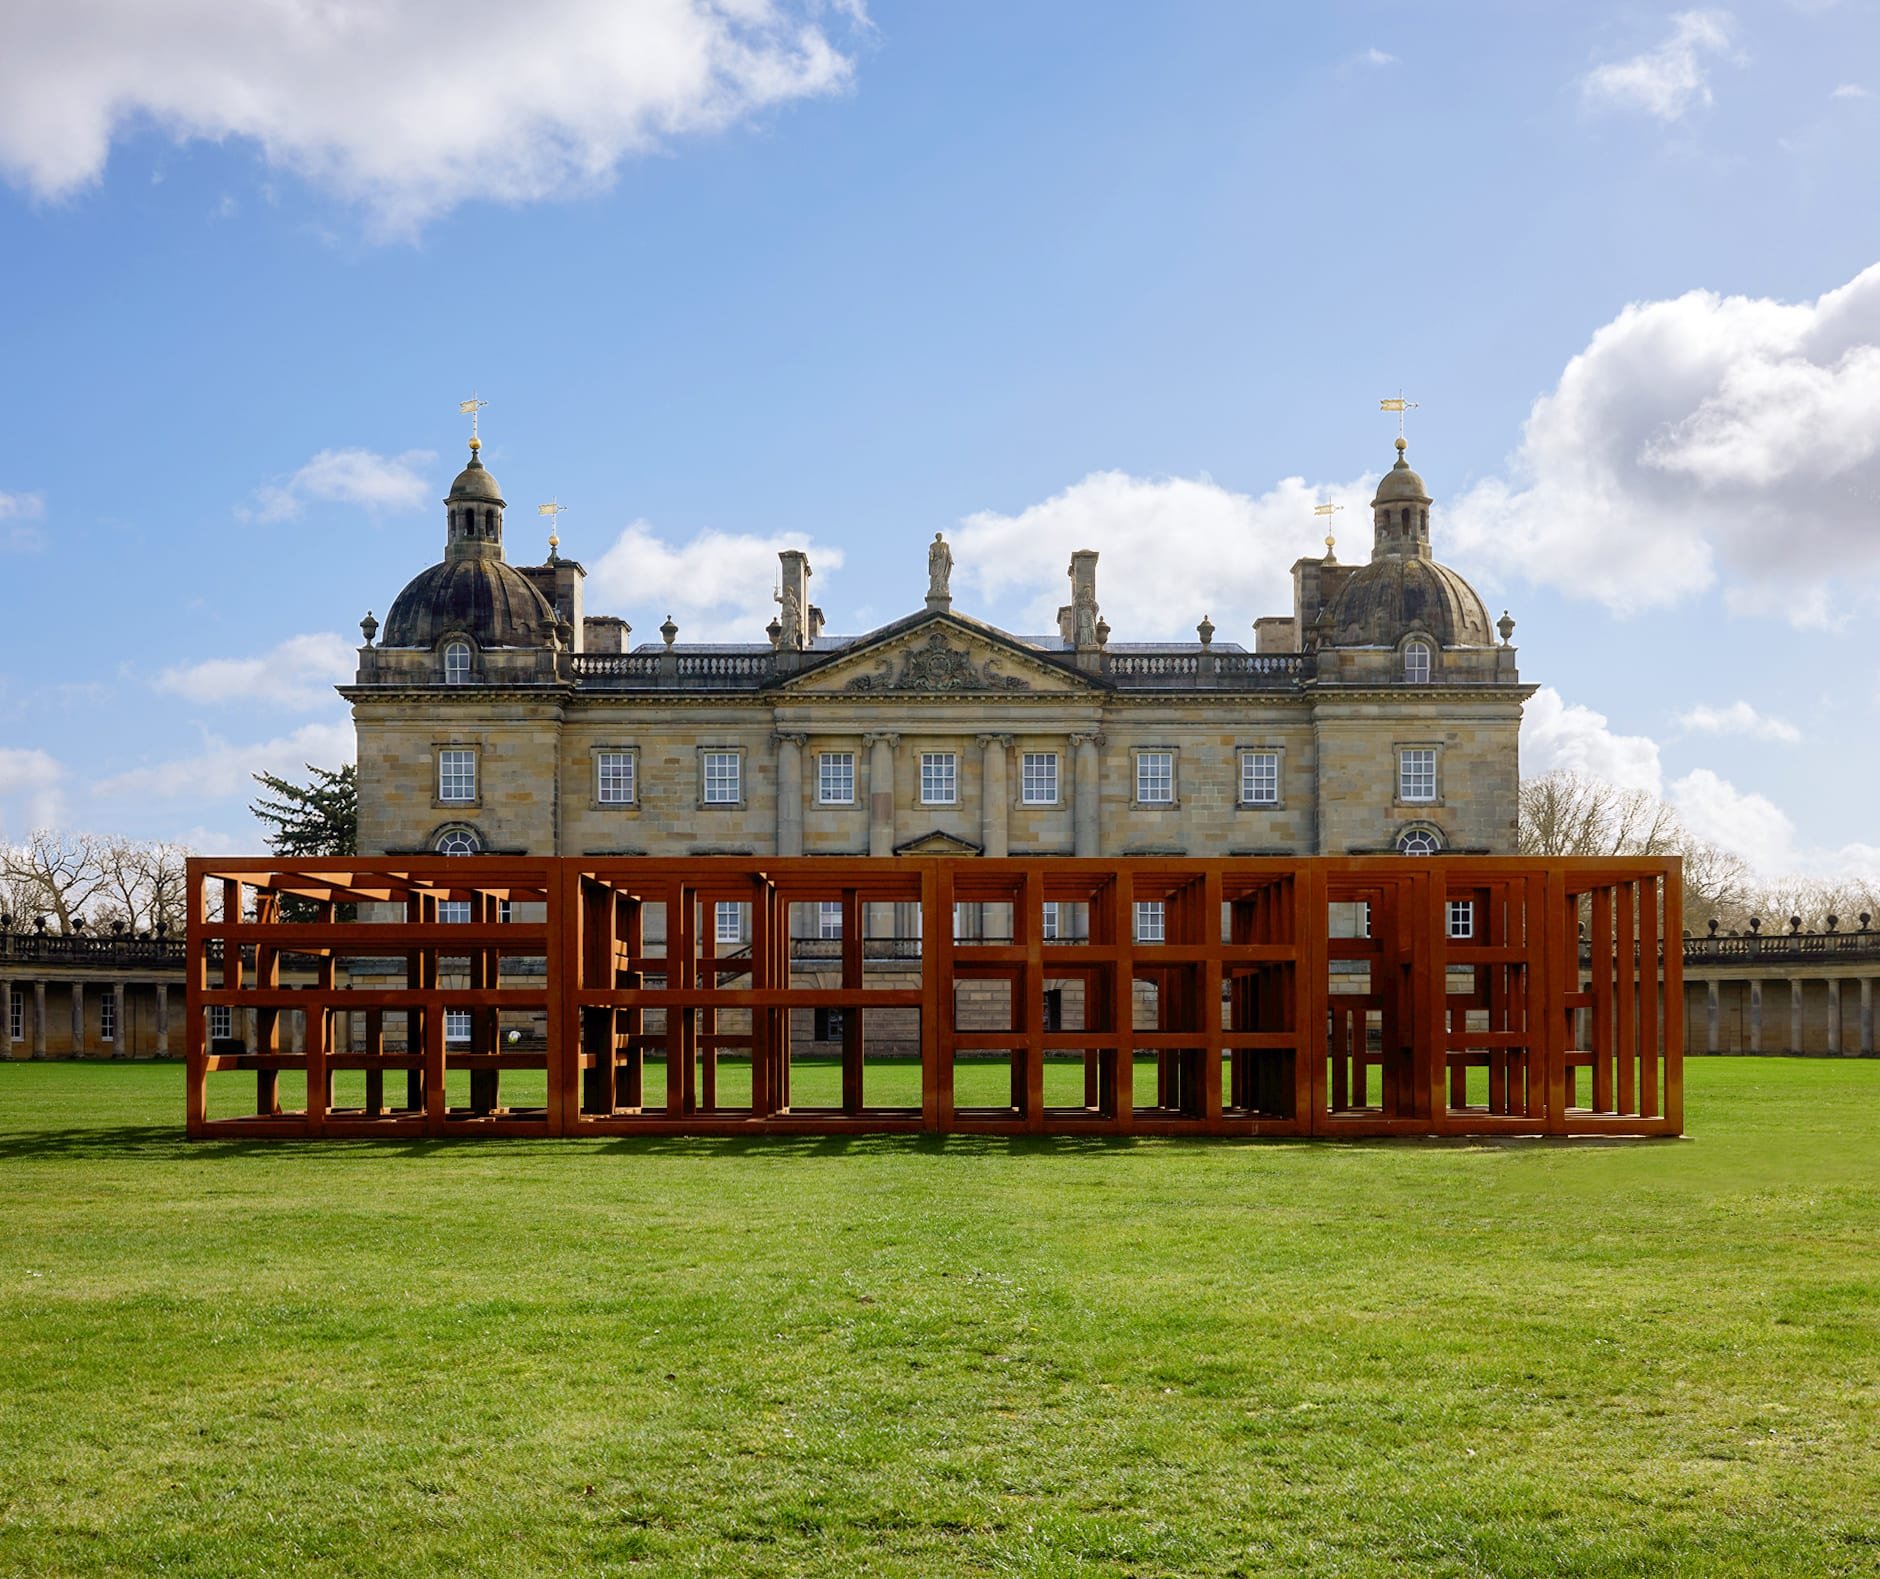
101,878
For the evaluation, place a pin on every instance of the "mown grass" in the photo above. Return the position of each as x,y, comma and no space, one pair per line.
909,1356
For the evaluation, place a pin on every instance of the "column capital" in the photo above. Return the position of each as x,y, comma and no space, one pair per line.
1089,737
881,738
785,737
987,742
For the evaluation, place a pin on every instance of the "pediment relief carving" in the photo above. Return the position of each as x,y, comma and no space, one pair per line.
938,842
937,662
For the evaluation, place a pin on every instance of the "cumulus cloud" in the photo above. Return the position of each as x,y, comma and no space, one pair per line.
361,477
29,790
1174,549
300,673
224,767
1558,734
1739,718
1705,441
1851,90
1669,79
717,587
1376,57
407,109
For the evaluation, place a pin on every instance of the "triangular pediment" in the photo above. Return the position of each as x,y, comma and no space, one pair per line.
938,842
938,655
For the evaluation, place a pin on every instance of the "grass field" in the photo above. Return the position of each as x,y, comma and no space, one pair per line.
929,1357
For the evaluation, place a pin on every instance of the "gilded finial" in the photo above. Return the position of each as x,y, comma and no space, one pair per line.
1399,405
470,408
1326,512
552,510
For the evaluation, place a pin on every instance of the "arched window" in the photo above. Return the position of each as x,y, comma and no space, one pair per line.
457,663
1419,841
457,841
1416,663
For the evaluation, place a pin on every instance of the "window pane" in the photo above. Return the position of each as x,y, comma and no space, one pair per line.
721,778
1149,921
1259,778
939,778
1155,777
614,777
1462,918
1416,663
829,919
457,775
1038,777
457,663
1416,775
729,922
456,1025
454,912
458,841
1050,920
835,778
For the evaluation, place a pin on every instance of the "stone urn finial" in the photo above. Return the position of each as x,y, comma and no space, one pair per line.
1713,926
368,627
1795,925
1205,630
1833,922
1103,632
774,630
1755,925
669,632
1506,626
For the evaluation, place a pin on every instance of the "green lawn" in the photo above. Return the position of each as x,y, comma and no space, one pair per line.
927,1357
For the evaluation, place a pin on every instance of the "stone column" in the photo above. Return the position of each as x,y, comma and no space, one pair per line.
881,792
994,828
1795,1014
1834,1015
121,1045
6,1017
1086,793
163,1019
39,1019
1755,1016
1866,1015
790,793
1712,1014
78,1019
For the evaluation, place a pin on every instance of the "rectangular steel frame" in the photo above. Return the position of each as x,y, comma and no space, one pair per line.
1554,1011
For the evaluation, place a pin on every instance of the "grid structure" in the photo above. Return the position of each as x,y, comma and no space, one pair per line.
1301,996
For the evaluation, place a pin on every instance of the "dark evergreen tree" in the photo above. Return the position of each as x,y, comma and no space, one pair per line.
317,818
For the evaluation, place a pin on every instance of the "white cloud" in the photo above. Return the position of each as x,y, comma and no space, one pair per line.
361,477
1851,90
225,768
22,509
1704,441
1377,57
411,108
29,790
300,673
1174,549
1750,825
1556,733
1739,718
718,587
1668,80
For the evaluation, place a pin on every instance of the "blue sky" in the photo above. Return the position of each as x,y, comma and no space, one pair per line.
741,275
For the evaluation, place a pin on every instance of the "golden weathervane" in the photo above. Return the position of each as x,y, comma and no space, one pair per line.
552,509
470,408
1399,405
1326,512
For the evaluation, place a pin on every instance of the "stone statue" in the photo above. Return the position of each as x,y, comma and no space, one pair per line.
792,620
939,568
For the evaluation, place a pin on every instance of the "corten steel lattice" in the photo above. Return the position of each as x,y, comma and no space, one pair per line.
1309,996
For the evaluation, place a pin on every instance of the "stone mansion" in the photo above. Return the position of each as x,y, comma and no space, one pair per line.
495,713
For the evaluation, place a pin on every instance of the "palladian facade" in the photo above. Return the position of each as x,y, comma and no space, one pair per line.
495,713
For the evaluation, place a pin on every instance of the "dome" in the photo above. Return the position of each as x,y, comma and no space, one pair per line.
1387,599
1399,485
489,601
474,483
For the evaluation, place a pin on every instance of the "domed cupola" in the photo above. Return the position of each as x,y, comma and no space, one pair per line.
1403,589
472,592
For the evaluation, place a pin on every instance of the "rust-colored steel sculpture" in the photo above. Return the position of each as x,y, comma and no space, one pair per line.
1274,996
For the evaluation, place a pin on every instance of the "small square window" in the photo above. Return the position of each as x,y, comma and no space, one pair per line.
722,778
1259,778
454,912
1050,920
1462,918
221,1021
939,778
728,922
1150,921
1416,774
1038,778
828,1025
835,778
1155,778
829,919
615,778
457,776
456,1025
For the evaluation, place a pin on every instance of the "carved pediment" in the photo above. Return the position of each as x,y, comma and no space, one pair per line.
938,842
937,658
